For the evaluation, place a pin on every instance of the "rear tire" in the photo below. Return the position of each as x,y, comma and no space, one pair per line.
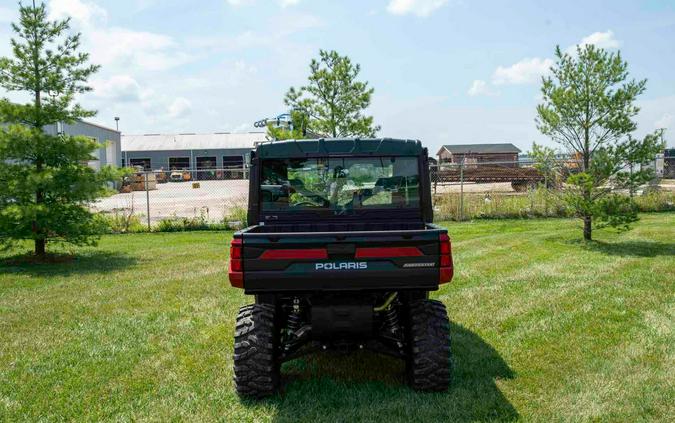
256,341
428,365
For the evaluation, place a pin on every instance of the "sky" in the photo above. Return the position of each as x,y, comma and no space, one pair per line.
444,71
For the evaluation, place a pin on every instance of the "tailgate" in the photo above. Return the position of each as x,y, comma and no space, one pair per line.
369,260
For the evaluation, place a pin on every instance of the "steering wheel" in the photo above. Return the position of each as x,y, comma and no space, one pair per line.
305,203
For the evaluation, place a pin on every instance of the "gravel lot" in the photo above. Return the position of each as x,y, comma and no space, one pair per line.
471,187
213,198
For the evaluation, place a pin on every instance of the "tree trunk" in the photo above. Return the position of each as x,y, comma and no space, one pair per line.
587,228
40,250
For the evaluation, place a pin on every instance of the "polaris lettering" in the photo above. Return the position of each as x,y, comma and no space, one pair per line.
350,265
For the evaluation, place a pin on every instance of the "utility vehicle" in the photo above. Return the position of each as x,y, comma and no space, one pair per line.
340,253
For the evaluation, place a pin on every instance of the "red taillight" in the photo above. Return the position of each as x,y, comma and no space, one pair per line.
235,265
235,249
386,252
445,244
445,253
446,274
446,261
235,273
311,253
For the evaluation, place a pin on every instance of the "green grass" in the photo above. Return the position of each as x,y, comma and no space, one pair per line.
545,327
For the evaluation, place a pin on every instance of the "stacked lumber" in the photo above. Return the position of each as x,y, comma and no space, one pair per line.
138,181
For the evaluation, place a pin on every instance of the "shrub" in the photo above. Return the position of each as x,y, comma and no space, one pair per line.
122,221
539,202
655,200
236,214
180,224
536,203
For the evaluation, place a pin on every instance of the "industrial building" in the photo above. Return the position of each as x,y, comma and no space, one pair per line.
220,150
478,153
109,154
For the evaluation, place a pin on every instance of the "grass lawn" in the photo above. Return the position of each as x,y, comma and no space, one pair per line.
545,327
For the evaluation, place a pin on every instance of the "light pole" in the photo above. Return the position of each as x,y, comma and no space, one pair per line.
117,123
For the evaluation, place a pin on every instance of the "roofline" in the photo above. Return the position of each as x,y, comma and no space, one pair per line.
100,126
441,149
84,121
445,146
190,149
175,134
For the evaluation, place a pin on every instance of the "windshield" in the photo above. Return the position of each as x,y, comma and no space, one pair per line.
339,184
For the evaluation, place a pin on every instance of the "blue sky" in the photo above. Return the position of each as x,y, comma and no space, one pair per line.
444,71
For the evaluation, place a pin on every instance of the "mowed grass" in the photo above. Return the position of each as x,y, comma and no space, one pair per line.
544,327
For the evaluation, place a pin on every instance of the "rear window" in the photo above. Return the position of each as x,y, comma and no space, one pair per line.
339,184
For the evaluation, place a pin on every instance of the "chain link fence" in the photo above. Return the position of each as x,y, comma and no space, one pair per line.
461,191
189,197
521,189
460,188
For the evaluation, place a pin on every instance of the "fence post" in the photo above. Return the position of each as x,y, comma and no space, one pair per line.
147,198
461,191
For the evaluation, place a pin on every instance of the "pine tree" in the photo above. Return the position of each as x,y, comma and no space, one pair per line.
45,182
334,100
588,107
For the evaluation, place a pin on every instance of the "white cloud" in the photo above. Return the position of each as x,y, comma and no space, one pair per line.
179,108
480,87
601,39
665,121
243,67
142,50
421,8
526,71
237,3
287,3
142,81
83,12
604,40
122,88
117,47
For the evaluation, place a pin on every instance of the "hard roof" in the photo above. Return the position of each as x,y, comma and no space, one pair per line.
338,147
191,141
481,148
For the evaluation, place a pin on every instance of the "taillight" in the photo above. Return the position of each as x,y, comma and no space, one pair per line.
235,272
387,252
311,253
446,272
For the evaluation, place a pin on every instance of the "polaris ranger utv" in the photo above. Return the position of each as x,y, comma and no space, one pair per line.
340,253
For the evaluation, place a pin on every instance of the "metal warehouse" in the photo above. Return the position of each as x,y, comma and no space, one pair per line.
109,154
220,150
